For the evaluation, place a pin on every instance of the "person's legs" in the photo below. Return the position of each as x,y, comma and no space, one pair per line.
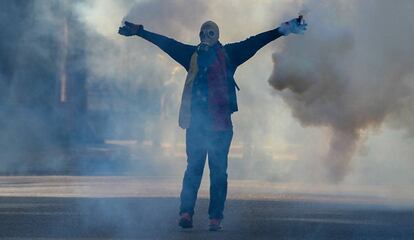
196,157
218,150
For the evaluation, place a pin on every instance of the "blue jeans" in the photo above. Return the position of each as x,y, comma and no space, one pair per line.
201,142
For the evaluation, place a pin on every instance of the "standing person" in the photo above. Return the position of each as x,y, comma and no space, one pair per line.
208,100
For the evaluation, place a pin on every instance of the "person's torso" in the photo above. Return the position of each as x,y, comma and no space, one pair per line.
200,92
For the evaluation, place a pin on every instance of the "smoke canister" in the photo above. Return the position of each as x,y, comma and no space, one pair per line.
299,19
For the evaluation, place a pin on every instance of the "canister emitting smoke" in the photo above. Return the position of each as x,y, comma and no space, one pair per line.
351,71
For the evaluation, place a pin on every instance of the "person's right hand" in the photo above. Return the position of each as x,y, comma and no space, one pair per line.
130,29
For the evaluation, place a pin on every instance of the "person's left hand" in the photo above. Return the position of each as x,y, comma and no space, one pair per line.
296,26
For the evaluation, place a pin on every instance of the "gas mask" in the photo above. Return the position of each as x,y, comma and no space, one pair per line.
209,35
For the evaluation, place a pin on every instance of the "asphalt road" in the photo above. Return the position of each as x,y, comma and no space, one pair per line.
119,216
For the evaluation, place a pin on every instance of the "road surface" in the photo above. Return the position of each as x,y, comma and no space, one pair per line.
64,207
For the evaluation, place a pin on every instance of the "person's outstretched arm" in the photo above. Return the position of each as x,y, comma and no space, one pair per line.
180,52
242,51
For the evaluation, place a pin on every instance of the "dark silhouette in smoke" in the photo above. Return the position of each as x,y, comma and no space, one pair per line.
208,100
350,73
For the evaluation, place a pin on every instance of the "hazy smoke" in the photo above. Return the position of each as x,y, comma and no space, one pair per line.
171,18
350,72
27,84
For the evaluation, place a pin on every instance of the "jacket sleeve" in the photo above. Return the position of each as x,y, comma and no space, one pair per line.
180,52
240,52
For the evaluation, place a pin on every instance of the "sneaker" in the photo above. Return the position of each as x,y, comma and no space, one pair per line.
215,225
186,221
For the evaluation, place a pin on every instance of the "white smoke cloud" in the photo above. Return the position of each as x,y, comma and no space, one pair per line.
348,75
350,72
